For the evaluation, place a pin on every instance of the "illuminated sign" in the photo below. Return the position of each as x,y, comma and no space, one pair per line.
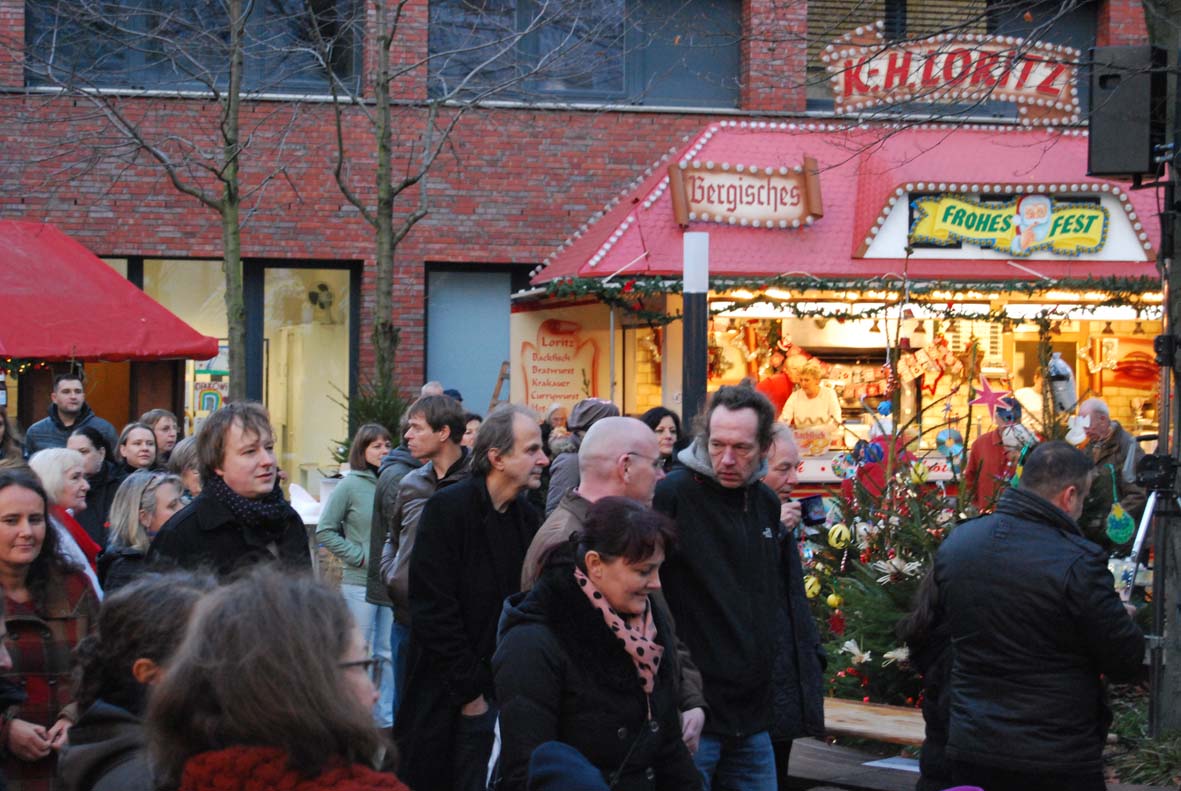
1018,227
954,68
748,195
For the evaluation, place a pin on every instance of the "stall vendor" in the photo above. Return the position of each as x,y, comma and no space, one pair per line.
812,407
777,385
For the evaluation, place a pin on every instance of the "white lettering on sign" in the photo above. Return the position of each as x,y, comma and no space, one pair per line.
1040,78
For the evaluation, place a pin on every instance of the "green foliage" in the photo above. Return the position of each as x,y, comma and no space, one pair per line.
379,403
895,534
1138,759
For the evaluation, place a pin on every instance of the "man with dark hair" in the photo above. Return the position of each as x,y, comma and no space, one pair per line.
724,584
68,411
472,538
434,429
1036,625
240,517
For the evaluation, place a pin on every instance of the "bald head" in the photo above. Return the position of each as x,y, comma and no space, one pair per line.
619,457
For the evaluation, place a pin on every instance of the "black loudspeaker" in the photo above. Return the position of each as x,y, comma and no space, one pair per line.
1127,110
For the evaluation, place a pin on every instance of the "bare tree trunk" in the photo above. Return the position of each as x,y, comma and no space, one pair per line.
231,229
385,334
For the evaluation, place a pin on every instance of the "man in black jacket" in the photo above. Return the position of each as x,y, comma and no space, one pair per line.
240,517
1035,622
68,411
724,585
466,560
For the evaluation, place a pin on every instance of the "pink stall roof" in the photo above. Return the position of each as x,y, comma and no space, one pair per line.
860,170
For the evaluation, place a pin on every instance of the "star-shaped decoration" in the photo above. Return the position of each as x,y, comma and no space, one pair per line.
990,398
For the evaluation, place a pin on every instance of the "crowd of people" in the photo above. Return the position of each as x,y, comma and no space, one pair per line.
582,601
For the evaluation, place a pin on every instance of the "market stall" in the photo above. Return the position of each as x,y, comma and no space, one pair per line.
922,266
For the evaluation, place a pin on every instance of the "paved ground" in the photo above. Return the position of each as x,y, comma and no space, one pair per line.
816,766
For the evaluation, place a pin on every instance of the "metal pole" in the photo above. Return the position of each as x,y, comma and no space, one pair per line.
611,353
696,325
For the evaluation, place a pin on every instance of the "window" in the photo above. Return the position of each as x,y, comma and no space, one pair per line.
651,52
1072,24
185,44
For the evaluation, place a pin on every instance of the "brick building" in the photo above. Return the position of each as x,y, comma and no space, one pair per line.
517,179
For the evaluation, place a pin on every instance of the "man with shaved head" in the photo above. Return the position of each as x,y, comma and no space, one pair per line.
618,457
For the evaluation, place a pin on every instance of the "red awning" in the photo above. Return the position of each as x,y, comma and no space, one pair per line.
863,172
61,302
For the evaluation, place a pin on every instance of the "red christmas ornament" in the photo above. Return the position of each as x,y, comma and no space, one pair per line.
836,623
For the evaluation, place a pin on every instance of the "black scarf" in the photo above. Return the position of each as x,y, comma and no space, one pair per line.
269,513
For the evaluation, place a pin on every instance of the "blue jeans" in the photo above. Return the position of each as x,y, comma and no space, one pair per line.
374,622
736,764
399,643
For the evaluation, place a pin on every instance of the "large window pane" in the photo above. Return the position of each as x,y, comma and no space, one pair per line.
680,52
185,44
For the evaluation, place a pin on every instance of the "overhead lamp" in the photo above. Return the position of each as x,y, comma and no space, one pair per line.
1107,330
1138,329
876,327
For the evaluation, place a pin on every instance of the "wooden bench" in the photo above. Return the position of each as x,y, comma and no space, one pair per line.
876,721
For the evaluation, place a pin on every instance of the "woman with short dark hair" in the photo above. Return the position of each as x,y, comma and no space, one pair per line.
270,689
587,657
344,530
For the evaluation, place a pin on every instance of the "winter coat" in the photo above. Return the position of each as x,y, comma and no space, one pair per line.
250,768
797,693
103,485
416,488
1034,622
465,563
205,535
561,674
567,519
346,521
396,464
117,566
107,751
723,584
1111,456
42,641
50,432
563,472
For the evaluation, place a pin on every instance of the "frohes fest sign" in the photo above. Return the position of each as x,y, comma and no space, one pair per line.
866,72
1018,228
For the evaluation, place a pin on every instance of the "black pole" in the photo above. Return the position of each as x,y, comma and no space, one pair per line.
696,353
696,325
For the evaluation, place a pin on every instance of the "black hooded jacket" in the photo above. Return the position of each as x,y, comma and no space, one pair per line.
562,675
1035,622
725,588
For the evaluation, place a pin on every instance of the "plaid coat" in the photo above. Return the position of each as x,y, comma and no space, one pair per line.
42,641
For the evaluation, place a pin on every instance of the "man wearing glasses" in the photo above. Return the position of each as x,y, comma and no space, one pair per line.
619,457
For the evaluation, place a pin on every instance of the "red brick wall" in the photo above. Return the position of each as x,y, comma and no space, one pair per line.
774,55
511,186
1121,23
12,42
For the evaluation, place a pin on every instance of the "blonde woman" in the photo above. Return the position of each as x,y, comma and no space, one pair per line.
144,502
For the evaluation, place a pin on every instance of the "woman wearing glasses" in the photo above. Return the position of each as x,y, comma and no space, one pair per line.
144,502
270,689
